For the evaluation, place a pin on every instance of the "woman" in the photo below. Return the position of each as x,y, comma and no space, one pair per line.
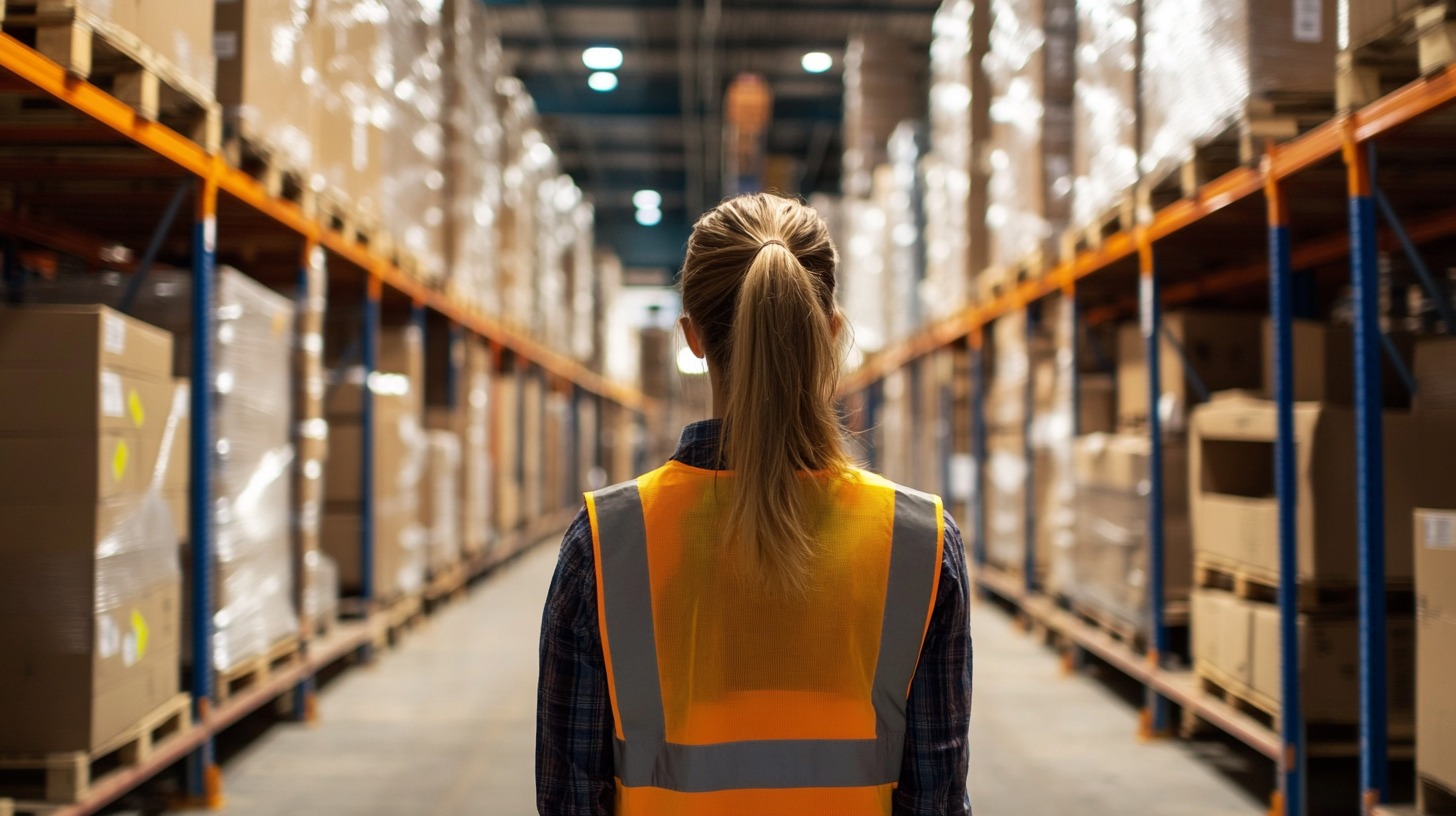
757,627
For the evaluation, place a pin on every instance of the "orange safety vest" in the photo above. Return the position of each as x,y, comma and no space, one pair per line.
729,703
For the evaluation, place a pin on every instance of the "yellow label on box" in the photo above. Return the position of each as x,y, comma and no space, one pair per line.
118,461
134,404
141,632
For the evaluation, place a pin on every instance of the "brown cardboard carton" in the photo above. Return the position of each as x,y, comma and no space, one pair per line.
88,338
1435,555
1096,406
266,77
1324,366
1435,374
508,436
476,453
1223,350
91,646
1234,511
1371,18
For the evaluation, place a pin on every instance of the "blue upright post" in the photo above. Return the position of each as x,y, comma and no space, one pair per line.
369,345
204,779
978,447
1281,307
310,267
1156,717
1028,454
1370,476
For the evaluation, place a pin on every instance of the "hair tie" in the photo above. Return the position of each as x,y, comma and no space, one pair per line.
766,243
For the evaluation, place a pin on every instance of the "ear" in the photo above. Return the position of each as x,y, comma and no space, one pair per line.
690,333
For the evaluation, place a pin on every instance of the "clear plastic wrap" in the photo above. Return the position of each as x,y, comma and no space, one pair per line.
862,273
182,35
1206,61
349,98
476,532
529,161
1053,431
321,600
1105,141
268,78
1029,67
413,179
884,84
473,182
905,220
440,500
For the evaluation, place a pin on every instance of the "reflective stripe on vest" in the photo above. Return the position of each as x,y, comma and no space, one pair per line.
645,758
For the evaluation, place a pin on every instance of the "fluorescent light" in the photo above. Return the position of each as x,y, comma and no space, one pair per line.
649,216
647,199
602,81
602,58
817,62
690,363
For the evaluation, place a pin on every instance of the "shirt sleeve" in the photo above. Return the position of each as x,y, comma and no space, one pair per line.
938,713
574,774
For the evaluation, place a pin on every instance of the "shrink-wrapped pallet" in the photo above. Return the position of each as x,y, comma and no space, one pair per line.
1105,140
884,84
473,154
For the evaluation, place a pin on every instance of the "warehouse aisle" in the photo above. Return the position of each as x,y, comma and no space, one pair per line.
445,727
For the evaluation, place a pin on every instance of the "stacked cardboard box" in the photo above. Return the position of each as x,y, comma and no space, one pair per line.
412,177
905,268
956,241
90,439
400,454
533,444
317,572
440,495
1106,141
1212,65
477,533
506,440
884,84
181,36
1435,567
1199,353
1031,71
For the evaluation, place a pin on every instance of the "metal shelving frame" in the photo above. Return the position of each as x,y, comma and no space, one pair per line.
1136,257
212,181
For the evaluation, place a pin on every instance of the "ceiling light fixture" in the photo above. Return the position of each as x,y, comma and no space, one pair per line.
817,62
602,81
647,200
602,58
649,216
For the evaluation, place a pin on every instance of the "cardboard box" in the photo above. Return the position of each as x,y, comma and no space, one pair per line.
1367,19
1435,556
1324,364
1223,349
266,91
1235,513
1096,403
1005,481
476,465
1435,374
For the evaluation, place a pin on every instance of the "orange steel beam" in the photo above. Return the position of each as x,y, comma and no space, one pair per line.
40,72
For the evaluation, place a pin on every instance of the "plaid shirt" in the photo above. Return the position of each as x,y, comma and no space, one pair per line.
574,716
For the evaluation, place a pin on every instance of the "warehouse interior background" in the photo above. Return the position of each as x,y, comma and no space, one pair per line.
319,317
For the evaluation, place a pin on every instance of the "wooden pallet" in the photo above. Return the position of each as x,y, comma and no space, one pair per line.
1121,216
1417,43
22,807
1252,584
270,166
95,49
1266,710
1433,798
68,776
446,585
1275,117
259,669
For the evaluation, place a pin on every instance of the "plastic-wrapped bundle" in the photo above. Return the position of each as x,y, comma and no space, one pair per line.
476,532
321,597
529,161
1105,142
583,281
349,101
1052,434
1108,561
1030,70
1206,61
905,218
883,86
473,153
440,500
268,79
862,273
413,178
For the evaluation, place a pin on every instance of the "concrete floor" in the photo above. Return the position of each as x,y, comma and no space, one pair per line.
445,725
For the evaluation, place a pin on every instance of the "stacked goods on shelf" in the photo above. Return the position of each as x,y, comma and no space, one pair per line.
560,298
589,473
1199,353
862,267
961,486
1105,139
473,183
894,442
533,439
1435,568
506,437
582,286
440,494
884,84
412,184
528,162
399,452
1387,43
1030,68
475,406
255,466
1053,434
1218,68
1235,516
317,571
557,466
350,106
956,242
905,223
91,437
615,353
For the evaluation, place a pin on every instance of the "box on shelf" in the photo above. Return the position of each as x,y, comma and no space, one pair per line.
412,184
1005,483
1435,557
1223,351
1324,364
440,500
1108,559
1235,513
1435,374
269,94
1106,141
181,35
1215,66
506,439
89,579
350,100
476,466
1366,19
1031,70
473,154
1096,405
533,445
884,84
1236,645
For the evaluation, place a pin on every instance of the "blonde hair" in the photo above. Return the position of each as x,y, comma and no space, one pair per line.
758,283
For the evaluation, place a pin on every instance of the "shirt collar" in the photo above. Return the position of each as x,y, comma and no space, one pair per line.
698,446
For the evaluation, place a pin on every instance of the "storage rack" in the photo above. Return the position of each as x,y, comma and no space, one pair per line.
1325,185
229,202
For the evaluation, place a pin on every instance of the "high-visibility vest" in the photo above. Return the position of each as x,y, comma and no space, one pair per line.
733,702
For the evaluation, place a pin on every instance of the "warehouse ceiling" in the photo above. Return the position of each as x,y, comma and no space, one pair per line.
660,129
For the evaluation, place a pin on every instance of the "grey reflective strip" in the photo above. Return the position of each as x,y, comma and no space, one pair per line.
627,594
646,759
759,764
